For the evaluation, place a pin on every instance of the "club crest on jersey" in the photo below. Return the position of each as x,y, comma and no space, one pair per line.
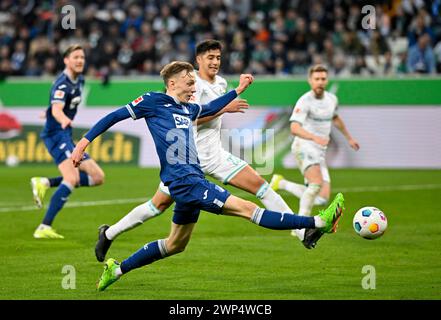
181,121
137,101
59,94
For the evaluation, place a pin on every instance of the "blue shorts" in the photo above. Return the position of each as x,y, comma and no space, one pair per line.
60,147
193,194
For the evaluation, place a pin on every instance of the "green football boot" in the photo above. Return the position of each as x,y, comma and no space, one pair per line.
108,276
39,189
332,214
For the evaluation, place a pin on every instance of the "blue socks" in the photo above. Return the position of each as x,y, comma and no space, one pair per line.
85,181
55,182
147,254
281,221
58,200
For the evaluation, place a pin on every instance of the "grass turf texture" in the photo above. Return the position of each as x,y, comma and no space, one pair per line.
227,258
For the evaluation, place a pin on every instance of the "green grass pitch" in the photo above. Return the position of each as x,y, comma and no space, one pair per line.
227,258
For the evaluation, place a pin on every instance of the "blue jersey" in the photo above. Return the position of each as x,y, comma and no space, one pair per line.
170,124
67,92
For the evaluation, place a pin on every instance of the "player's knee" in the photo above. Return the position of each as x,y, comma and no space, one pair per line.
98,177
163,203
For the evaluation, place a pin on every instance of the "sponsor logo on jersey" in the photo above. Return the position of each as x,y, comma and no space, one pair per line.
181,121
62,86
75,101
167,105
137,101
59,94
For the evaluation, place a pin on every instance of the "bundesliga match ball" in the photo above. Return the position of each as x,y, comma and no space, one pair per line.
370,222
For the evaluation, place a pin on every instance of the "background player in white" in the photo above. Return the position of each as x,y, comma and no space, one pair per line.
215,161
311,121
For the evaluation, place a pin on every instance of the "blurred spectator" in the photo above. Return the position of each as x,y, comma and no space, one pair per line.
132,37
420,57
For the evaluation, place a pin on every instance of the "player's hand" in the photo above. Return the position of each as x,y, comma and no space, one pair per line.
354,144
244,81
66,123
237,105
78,152
321,141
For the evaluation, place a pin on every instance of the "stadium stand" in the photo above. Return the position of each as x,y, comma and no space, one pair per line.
278,37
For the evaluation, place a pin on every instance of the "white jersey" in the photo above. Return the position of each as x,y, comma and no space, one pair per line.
208,134
315,115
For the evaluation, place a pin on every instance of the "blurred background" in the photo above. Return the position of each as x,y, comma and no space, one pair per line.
280,37
384,59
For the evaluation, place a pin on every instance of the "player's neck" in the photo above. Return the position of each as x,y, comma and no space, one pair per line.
206,77
319,97
71,75
174,96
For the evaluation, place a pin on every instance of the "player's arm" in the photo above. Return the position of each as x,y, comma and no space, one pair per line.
298,130
59,115
100,127
340,125
237,105
218,104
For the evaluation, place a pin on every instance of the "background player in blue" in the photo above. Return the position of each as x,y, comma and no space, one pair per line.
57,135
169,117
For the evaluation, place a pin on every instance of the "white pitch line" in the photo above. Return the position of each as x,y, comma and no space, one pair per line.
79,204
140,200
408,187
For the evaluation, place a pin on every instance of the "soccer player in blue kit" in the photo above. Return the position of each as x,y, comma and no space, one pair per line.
169,118
57,136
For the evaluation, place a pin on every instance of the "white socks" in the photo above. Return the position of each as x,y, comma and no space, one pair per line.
319,223
134,218
272,200
307,199
294,188
298,189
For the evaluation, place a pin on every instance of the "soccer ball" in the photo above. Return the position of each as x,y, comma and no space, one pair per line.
370,222
12,161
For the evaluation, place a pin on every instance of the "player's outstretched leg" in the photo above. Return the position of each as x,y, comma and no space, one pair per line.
145,211
326,220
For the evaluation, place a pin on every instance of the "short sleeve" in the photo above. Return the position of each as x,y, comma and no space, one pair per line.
300,111
59,94
142,107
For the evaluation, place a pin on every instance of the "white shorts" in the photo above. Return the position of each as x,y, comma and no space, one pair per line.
225,168
308,155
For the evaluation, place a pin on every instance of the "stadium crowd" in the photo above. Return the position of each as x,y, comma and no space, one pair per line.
277,37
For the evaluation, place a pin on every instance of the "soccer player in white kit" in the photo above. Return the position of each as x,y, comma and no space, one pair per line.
311,122
215,161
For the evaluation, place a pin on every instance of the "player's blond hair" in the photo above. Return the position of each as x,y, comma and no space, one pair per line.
317,68
72,48
174,68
